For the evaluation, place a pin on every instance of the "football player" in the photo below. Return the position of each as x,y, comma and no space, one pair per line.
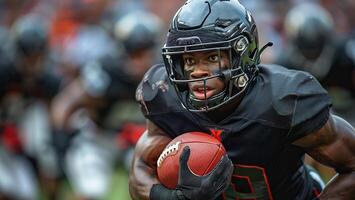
312,46
84,136
27,88
266,116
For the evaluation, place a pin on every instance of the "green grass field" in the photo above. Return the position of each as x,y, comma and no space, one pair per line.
117,191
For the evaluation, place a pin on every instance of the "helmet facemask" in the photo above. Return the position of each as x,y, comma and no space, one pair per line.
236,75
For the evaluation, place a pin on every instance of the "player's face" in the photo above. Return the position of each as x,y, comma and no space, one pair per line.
201,65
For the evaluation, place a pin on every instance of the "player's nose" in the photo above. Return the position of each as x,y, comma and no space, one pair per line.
199,73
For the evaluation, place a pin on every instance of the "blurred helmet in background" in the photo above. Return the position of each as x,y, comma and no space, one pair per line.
105,82
30,35
31,44
309,27
138,30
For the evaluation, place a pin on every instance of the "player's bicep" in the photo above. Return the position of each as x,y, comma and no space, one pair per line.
332,145
151,144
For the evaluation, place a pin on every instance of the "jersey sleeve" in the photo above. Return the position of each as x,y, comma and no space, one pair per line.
310,105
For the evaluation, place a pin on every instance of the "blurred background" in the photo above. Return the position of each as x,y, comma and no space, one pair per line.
69,69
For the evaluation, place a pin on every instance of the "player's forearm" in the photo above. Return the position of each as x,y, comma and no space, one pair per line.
341,187
142,174
65,104
143,171
141,180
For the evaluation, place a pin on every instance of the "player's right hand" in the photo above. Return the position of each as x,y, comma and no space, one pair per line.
207,187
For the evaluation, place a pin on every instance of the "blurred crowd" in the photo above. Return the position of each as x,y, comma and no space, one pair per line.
69,70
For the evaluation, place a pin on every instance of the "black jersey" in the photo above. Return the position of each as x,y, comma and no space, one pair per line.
280,107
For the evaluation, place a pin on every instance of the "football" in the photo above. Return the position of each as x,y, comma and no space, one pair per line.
205,152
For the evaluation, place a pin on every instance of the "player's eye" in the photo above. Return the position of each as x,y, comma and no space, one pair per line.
213,58
189,61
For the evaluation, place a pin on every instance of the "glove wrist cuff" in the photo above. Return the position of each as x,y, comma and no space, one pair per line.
159,192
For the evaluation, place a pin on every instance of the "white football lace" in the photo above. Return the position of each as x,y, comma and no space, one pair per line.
167,151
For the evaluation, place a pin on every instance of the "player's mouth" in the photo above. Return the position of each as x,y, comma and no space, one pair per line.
199,92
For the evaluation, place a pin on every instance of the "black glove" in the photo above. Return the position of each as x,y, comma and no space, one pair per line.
192,187
206,187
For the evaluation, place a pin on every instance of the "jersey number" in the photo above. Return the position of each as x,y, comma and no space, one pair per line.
248,183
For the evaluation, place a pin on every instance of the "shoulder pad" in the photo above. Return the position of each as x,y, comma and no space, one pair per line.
155,91
296,95
154,79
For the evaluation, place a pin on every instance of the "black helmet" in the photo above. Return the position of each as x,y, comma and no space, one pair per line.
309,28
30,35
212,25
138,30
105,81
